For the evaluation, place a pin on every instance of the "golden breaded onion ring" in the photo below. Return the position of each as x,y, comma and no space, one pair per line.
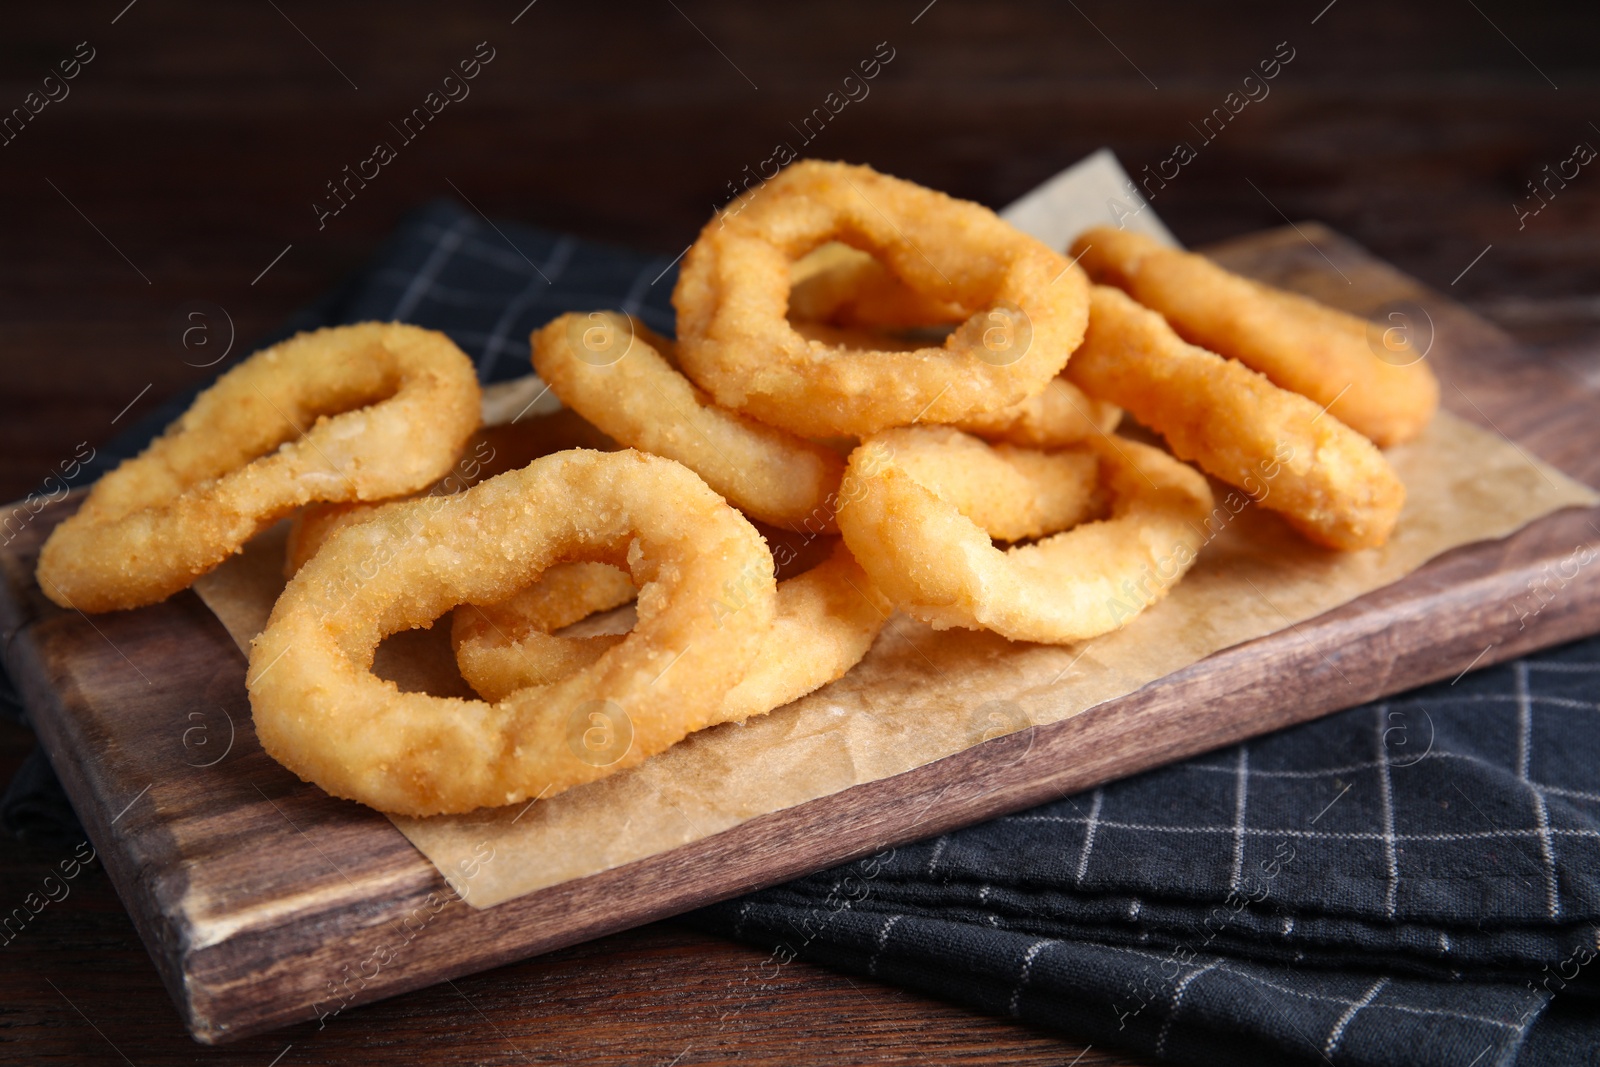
614,372
1301,345
1012,493
503,647
940,566
827,619
321,712
1329,482
1023,306
345,413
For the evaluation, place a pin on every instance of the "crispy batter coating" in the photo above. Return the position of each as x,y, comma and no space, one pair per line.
637,396
314,524
1014,494
827,619
1061,415
1330,482
491,450
347,413
1022,307
1303,346
321,712
938,565
503,647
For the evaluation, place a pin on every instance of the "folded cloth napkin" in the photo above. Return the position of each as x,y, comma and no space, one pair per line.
1414,881
1410,881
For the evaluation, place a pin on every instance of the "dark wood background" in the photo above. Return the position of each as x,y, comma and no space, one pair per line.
191,148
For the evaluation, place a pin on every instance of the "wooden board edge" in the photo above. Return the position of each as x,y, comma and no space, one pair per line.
999,777
29,673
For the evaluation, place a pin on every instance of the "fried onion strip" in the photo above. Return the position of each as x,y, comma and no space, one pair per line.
826,620
1371,380
627,386
1331,483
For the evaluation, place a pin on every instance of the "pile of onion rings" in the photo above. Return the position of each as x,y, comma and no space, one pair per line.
880,399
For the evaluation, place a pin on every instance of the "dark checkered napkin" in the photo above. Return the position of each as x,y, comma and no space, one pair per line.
1415,881
488,285
1409,881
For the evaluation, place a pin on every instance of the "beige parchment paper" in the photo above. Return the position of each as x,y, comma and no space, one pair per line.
920,694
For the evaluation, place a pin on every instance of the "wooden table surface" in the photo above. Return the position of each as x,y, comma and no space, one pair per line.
189,150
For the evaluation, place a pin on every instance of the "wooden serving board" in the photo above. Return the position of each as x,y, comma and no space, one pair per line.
324,905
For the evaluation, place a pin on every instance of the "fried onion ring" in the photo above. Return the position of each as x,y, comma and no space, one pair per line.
1023,307
1301,345
501,648
827,619
321,712
346,413
938,565
637,396
1012,493
833,303
1329,482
